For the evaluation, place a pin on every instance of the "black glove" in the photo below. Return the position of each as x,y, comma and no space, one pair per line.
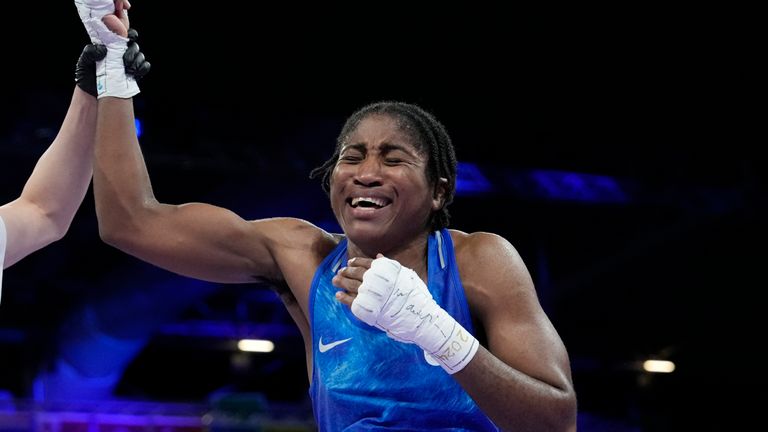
134,61
85,70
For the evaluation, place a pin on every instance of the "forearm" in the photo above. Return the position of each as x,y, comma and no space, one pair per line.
393,298
55,189
514,400
121,186
61,177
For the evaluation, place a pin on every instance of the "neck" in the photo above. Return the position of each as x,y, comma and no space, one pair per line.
412,254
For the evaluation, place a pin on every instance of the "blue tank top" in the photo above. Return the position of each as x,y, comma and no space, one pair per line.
360,380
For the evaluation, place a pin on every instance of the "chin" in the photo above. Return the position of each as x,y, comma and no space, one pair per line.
358,232
366,235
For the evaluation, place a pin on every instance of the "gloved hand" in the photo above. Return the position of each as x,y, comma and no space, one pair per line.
393,298
133,59
135,63
85,70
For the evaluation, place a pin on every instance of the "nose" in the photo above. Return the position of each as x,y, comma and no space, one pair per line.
368,172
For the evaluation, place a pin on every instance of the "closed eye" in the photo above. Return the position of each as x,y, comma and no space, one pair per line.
349,158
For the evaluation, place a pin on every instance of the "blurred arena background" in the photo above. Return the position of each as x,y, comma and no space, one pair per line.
610,147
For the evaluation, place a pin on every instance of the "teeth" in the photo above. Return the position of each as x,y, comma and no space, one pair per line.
376,201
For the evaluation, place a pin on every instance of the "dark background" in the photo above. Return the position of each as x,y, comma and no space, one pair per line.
241,104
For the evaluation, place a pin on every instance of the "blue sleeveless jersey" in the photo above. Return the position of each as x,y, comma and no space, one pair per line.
364,380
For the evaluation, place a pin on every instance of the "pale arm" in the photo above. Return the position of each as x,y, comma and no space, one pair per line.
54,191
523,381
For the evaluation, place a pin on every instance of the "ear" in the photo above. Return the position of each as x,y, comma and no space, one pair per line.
438,195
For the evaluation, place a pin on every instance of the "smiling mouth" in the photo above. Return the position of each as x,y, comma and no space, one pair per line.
368,202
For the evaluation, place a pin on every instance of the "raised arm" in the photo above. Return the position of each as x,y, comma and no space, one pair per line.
523,380
60,179
47,204
197,240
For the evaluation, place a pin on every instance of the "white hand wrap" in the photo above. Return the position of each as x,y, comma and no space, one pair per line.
90,10
111,79
393,298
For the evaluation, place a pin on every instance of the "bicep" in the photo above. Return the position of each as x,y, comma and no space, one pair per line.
517,329
523,337
201,241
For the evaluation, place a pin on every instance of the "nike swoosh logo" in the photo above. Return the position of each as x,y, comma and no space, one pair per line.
332,345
